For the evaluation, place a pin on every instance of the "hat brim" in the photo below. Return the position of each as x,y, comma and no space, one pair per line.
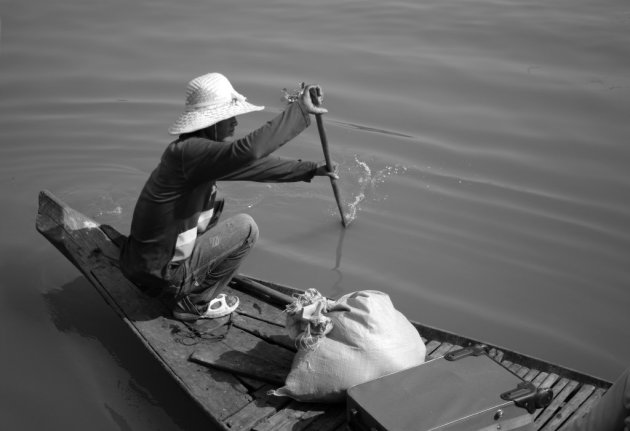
201,118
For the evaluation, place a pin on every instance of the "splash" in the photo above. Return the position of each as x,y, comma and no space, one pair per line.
115,211
367,185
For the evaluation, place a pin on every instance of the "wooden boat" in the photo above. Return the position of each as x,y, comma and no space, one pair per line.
228,371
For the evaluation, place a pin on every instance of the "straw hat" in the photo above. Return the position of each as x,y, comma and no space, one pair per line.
210,98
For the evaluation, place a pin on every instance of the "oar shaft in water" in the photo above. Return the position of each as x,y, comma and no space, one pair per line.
329,166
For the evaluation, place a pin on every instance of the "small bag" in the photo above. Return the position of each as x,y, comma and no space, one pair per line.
464,390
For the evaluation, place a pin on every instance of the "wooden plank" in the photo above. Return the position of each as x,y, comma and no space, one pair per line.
556,384
261,407
531,374
431,346
271,333
585,407
245,342
532,362
245,354
295,416
569,407
568,386
515,368
440,351
249,306
550,381
539,379
77,236
334,417
251,384
495,354
238,362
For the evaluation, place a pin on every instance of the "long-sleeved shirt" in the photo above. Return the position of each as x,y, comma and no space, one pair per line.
177,200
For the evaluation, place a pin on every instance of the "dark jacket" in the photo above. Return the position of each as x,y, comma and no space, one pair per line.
178,198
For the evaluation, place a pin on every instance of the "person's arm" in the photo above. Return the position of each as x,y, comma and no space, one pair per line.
273,169
218,159
210,160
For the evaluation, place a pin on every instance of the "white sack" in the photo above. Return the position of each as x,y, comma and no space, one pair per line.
343,343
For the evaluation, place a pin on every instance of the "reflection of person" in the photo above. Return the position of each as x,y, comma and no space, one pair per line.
611,413
177,248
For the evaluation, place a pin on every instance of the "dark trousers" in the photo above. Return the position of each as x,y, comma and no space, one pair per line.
216,256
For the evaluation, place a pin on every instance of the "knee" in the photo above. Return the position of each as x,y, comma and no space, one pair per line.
246,222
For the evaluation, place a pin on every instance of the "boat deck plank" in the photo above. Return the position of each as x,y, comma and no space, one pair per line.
562,390
235,361
440,351
552,380
271,333
295,416
334,418
431,345
539,379
250,383
496,354
260,310
569,407
585,407
531,375
261,407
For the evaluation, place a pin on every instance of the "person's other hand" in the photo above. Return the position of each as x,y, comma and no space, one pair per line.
312,98
322,171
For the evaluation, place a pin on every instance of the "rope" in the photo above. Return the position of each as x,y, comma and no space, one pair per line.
192,336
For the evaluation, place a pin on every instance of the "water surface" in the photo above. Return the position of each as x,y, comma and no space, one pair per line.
482,144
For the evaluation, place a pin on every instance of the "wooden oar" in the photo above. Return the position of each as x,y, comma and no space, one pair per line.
329,166
256,287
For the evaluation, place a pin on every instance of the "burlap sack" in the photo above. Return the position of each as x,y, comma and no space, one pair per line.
358,338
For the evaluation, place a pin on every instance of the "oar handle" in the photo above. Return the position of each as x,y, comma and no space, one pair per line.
324,139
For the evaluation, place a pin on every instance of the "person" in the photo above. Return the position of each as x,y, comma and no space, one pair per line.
178,249
611,413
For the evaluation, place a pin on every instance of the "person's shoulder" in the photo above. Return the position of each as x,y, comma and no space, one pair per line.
185,144
192,147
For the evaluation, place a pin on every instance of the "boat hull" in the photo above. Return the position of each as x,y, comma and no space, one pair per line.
228,371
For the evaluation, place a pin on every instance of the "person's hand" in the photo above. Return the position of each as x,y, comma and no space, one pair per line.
322,171
311,98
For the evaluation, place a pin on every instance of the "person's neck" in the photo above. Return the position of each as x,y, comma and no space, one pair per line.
207,133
